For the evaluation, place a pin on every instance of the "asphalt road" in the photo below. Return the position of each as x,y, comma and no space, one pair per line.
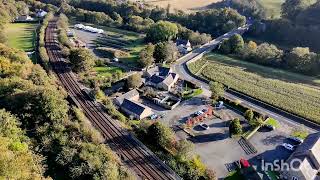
181,69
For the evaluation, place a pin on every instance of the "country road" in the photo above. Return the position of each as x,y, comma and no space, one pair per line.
180,67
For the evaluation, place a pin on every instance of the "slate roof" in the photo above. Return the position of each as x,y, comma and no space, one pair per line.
128,95
134,107
169,80
163,71
159,71
156,79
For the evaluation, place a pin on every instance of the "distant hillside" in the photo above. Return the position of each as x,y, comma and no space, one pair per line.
184,5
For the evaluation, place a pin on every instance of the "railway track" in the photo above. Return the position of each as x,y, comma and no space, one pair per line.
132,153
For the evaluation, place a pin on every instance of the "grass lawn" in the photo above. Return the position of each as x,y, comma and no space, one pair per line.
135,48
273,7
192,93
272,122
277,87
21,35
106,71
302,134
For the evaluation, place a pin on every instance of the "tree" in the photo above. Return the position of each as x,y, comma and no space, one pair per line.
160,135
184,149
162,31
134,81
291,8
198,39
300,59
17,161
81,59
235,127
225,47
256,122
165,52
268,54
249,115
236,43
217,90
146,56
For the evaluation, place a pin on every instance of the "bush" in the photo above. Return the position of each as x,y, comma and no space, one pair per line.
235,127
248,115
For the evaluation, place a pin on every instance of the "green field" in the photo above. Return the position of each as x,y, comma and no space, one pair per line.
21,35
280,88
273,7
106,71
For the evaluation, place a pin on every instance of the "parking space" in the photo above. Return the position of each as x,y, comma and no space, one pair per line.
217,150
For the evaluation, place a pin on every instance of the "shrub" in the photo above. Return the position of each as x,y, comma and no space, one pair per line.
235,127
111,52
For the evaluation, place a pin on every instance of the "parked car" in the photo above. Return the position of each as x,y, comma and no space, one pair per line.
198,113
204,126
296,139
153,116
288,146
270,127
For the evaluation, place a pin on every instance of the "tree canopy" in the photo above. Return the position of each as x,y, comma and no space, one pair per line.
165,52
162,31
82,60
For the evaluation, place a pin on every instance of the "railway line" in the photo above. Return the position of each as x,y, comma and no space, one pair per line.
132,153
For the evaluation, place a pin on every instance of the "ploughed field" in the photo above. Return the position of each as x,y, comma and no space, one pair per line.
295,93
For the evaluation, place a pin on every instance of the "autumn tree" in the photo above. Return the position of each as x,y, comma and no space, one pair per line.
160,135
82,60
134,81
217,90
165,52
146,56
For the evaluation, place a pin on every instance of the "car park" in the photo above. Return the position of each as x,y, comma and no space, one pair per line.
296,139
204,126
288,146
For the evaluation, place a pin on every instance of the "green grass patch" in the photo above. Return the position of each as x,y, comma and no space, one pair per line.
21,35
302,134
106,71
192,93
272,122
234,175
277,87
135,48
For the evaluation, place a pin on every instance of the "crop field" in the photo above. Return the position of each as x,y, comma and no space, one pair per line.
185,5
21,35
280,88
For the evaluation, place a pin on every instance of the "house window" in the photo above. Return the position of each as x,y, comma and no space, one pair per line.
294,178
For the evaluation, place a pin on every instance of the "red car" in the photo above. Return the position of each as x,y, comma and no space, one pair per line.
244,163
